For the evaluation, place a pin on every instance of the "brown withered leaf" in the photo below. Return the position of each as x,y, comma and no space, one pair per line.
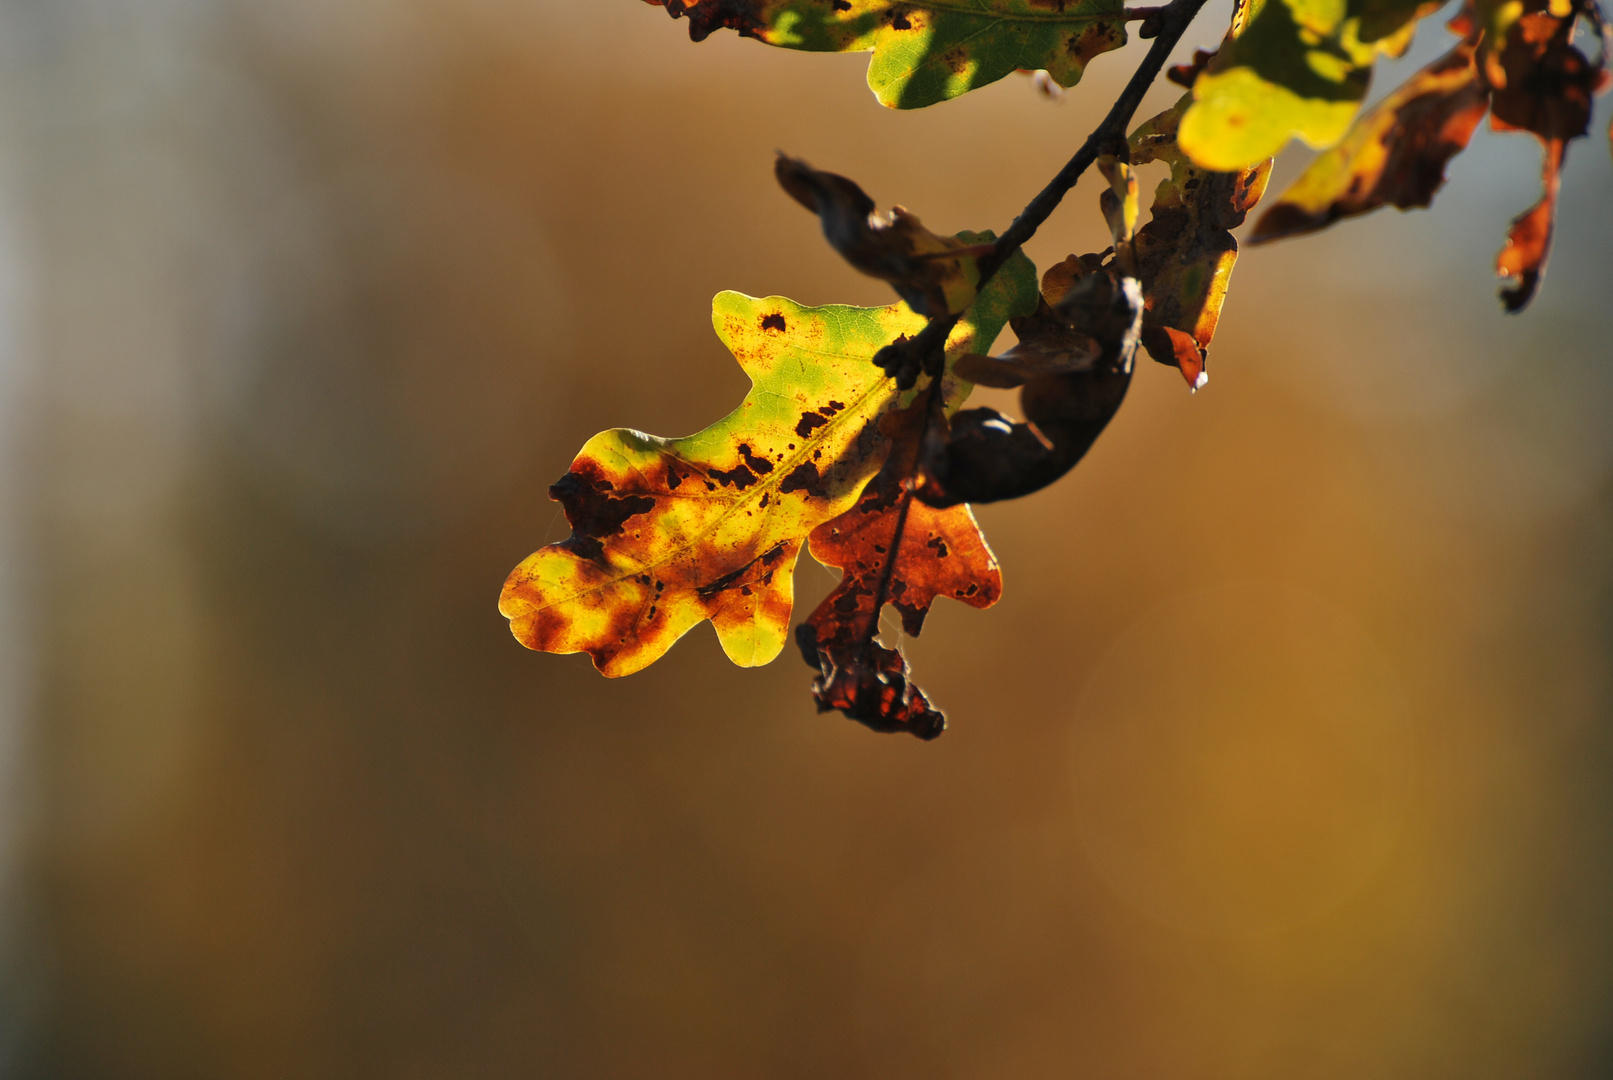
1543,85
982,456
1394,155
1186,252
892,550
933,274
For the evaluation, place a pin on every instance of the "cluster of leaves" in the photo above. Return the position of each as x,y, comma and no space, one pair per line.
871,461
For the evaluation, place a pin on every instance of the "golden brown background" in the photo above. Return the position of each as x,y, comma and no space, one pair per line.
1286,754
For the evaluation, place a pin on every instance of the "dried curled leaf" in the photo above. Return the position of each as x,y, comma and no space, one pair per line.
1186,252
669,532
1298,69
933,274
1542,85
893,550
925,51
982,456
1394,155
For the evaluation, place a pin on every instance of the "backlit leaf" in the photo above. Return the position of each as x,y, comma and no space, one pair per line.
925,51
1299,69
667,533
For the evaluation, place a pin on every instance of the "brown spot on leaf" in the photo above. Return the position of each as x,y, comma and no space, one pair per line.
739,477
761,465
585,496
804,477
774,322
808,423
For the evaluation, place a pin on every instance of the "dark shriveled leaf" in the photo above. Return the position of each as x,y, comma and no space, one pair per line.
982,456
933,274
1047,345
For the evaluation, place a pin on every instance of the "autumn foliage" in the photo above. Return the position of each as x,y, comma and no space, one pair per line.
853,439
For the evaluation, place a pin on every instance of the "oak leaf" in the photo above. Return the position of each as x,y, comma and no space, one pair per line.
667,533
925,51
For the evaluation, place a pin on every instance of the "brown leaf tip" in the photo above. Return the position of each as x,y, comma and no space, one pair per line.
590,508
869,685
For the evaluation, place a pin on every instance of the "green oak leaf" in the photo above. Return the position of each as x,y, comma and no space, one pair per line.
925,51
1298,69
667,533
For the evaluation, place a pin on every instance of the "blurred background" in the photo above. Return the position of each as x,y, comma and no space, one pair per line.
1286,754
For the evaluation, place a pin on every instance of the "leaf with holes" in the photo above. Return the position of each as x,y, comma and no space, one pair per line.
892,549
925,51
667,533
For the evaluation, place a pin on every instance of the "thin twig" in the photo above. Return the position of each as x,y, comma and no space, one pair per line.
925,353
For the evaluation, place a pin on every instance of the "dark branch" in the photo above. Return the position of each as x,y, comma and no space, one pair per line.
907,358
